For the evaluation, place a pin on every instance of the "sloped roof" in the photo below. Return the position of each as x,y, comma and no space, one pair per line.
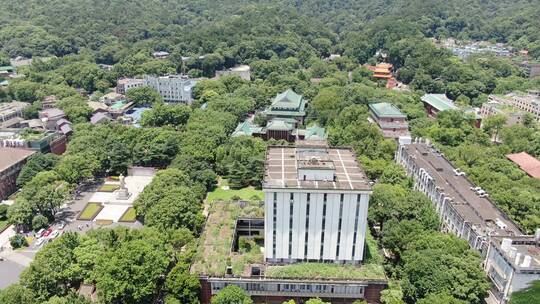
287,100
439,102
11,156
279,125
315,132
98,117
527,163
384,109
246,128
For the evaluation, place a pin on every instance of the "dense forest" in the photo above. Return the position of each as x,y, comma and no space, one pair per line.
285,43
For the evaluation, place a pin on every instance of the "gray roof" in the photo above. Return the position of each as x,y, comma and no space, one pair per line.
99,117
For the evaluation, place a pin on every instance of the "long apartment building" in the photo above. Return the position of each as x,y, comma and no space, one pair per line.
511,259
172,88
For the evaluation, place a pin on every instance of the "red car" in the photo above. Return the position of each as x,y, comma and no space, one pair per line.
47,232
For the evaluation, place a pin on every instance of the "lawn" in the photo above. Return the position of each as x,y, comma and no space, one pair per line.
220,194
109,188
327,271
90,211
3,225
129,215
528,295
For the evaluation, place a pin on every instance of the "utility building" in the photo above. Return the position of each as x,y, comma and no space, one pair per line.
316,204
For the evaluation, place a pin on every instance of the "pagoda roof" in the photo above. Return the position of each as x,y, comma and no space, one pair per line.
280,125
287,103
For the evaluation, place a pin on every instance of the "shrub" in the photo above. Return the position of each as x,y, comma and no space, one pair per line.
18,241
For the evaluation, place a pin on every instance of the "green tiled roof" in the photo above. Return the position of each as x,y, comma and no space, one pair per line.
385,109
246,128
287,103
279,125
315,132
439,102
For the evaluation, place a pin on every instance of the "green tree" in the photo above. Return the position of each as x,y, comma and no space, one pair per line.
39,221
184,286
35,164
144,96
18,241
231,294
166,115
441,298
16,294
526,296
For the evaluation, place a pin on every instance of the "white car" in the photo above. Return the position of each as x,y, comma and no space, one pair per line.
54,234
40,241
62,225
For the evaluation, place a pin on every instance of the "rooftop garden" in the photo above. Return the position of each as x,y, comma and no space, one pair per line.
371,269
223,193
214,252
29,134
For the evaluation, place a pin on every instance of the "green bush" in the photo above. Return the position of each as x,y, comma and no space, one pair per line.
18,241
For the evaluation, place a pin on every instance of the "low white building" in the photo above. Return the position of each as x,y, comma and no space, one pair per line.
316,204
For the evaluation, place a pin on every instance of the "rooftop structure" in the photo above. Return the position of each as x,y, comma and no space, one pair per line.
51,116
464,208
512,264
243,71
11,163
99,118
392,122
40,140
283,164
435,103
160,55
493,107
527,163
49,102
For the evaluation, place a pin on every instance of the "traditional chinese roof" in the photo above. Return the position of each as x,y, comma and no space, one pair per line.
439,102
315,132
384,109
287,103
280,125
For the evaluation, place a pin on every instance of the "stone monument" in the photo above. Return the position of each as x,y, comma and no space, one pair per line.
122,193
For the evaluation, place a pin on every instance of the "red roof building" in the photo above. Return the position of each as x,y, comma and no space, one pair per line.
527,163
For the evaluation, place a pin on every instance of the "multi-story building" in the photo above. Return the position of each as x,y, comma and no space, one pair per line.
313,219
392,122
493,107
34,139
243,71
512,264
316,205
172,88
463,209
381,71
11,163
125,84
511,259
529,102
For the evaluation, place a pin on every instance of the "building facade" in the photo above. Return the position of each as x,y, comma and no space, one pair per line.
529,102
435,103
494,107
316,202
11,162
392,122
173,88
125,84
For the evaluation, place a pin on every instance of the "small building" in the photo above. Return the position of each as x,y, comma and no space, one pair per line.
7,71
64,126
435,103
98,107
160,55
527,163
100,118
392,122
287,105
50,117
111,98
11,162
34,124
49,102
310,134
243,71
14,122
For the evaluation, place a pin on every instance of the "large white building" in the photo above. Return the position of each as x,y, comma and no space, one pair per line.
172,88
316,204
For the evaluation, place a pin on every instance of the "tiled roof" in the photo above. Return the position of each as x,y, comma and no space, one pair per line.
527,163
279,125
385,109
287,100
439,102
315,132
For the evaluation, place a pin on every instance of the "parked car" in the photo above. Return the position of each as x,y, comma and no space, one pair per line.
62,225
40,241
47,232
40,232
54,234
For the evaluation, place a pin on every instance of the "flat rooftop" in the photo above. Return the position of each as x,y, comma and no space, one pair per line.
282,163
12,156
476,210
526,246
